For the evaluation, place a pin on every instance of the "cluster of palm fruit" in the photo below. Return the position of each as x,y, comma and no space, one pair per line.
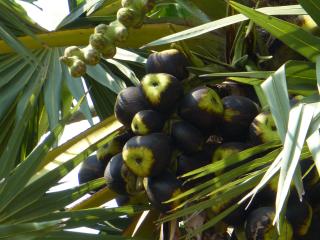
169,131
102,43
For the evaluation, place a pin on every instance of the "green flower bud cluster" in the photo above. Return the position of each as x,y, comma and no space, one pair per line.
102,43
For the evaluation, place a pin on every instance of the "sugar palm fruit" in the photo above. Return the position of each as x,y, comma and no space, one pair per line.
162,188
299,214
76,66
189,162
162,91
313,231
106,152
129,101
130,17
238,114
258,226
147,155
119,178
99,41
202,107
91,169
91,55
186,137
314,198
147,121
169,61
138,198
74,51
225,150
143,6
115,31
109,51
263,129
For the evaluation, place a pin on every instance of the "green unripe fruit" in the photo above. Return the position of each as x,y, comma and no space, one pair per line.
143,6
74,51
101,28
129,101
162,188
68,60
78,68
147,155
119,178
118,31
258,226
147,121
91,55
130,17
109,51
99,41
238,114
202,107
115,31
188,138
162,91
168,61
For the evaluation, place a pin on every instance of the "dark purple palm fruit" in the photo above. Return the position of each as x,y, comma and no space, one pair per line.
91,169
238,114
162,91
129,101
148,155
203,108
161,188
186,137
147,121
169,61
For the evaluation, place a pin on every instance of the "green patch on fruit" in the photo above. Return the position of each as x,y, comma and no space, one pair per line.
139,160
303,229
229,114
153,85
210,102
265,128
129,178
138,126
222,153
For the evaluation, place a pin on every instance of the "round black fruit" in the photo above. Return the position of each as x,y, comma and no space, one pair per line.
168,61
129,101
186,137
259,225
187,163
113,147
299,214
202,107
119,178
263,129
91,169
162,91
238,114
147,121
162,188
147,155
